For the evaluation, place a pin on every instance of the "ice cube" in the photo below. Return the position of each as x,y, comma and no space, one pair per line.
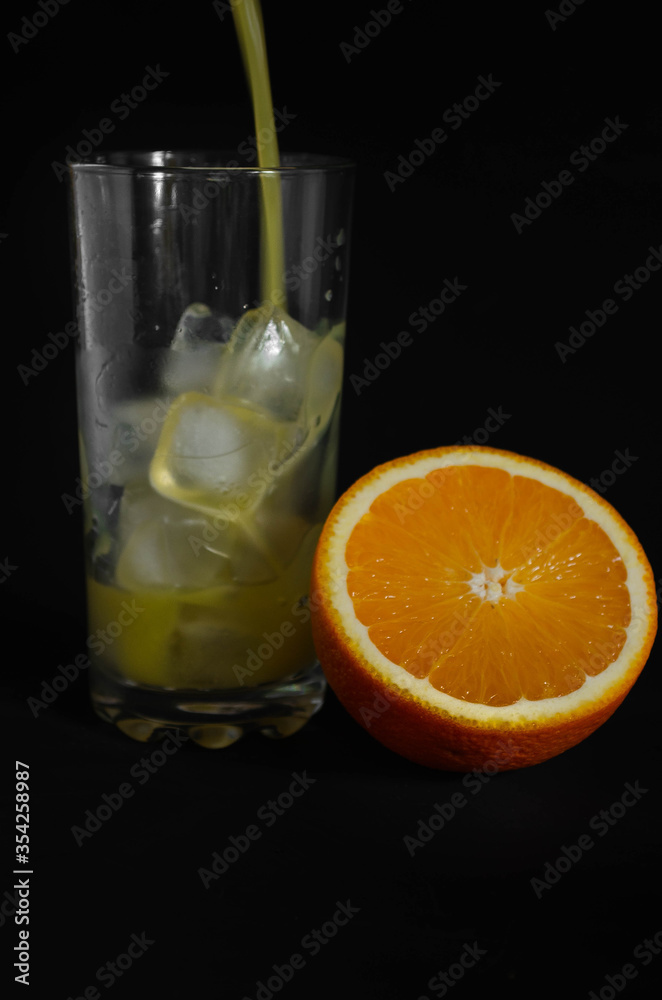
246,558
159,555
136,427
305,487
225,549
266,362
282,524
141,503
198,326
322,387
212,455
196,350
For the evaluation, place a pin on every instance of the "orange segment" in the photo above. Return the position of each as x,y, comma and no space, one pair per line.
480,592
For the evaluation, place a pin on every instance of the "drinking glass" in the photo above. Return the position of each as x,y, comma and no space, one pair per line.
211,304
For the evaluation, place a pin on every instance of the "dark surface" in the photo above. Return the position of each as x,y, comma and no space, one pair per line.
471,884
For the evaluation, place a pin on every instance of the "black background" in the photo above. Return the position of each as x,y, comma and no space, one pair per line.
493,348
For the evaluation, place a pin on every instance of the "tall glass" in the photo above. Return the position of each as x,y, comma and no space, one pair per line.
209,385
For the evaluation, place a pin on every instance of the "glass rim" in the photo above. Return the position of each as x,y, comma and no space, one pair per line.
168,161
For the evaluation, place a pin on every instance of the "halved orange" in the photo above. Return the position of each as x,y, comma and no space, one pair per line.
473,607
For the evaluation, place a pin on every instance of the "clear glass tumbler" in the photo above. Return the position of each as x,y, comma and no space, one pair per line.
211,310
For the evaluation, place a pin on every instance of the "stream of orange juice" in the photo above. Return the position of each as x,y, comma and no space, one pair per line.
250,31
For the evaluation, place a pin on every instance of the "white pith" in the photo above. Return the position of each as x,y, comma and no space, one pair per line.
492,585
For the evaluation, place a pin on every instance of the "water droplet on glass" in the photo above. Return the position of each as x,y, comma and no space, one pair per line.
328,295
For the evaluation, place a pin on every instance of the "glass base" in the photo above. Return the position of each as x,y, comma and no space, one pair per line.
213,719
